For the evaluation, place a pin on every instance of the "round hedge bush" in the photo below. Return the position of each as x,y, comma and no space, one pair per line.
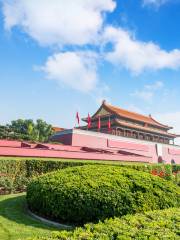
156,225
90,193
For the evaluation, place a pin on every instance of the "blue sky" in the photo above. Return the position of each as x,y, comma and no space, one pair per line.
57,57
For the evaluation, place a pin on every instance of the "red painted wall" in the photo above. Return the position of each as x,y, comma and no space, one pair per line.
79,144
146,149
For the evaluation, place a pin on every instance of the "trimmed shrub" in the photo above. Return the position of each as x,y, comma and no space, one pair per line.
15,173
176,174
91,193
156,225
161,170
176,168
12,176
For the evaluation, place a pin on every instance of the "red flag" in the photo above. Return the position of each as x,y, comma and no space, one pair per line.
99,123
77,117
89,121
109,124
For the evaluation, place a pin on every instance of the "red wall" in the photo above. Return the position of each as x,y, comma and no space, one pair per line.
79,144
146,149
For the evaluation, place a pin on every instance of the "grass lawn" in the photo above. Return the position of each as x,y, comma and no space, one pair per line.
15,223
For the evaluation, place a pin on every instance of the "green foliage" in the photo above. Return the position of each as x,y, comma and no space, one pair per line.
177,178
176,173
156,225
16,173
4,132
12,176
176,168
27,130
15,221
164,171
91,193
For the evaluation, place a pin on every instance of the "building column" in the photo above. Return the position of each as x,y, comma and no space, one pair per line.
129,133
134,134
113,132
138,135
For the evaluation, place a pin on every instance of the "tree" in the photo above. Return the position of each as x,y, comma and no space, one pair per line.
4,132
27,130
44,130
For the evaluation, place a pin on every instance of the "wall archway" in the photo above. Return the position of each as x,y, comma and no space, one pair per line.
160,159
173,161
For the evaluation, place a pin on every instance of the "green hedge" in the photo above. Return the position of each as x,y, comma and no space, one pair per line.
176,168
156,225
176,173
15,173
90,193
162,170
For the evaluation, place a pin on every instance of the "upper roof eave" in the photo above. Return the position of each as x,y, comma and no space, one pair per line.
130,115
133,115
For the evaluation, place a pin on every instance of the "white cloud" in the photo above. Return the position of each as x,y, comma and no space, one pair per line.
74,69
138,56
62,23
57,21
76,23
143,94
148,91
153,87
155,3
171,119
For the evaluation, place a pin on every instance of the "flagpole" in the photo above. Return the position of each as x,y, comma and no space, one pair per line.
89,122
99,123
109,124
75,123
77,119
